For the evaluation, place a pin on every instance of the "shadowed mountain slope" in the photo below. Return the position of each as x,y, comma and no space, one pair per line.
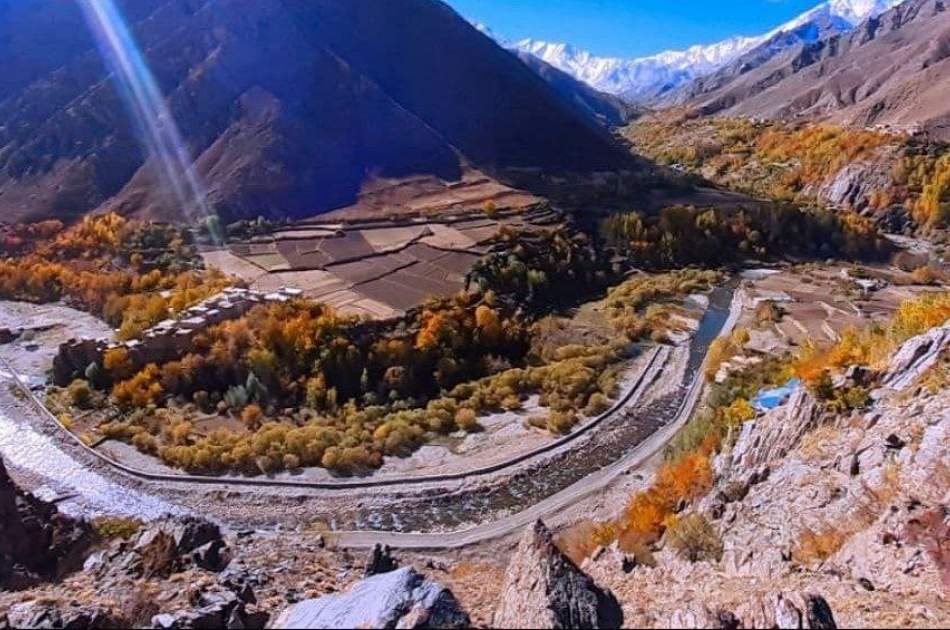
289,107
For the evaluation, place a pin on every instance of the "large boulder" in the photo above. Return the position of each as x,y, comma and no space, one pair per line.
396,599
544,589
37,543
167,546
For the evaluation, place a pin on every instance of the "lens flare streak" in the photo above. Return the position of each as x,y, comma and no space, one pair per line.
139,89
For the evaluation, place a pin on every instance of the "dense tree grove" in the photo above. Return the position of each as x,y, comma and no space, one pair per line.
132,274
640,306
541,269
313,388
685,235
928,178
792,161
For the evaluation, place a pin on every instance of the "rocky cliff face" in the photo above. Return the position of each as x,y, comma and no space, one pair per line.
544,589
37,543
820,517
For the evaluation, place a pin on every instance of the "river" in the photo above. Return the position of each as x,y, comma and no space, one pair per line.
55,472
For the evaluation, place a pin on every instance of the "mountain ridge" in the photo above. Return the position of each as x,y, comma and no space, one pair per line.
645,79
890,73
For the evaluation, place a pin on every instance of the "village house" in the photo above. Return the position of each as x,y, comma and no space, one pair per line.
168,339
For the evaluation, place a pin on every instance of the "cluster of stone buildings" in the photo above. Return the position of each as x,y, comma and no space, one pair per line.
167,340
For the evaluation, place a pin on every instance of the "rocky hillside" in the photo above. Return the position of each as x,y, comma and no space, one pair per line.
891,71
36,543
902,183
289,107
814,515
606,109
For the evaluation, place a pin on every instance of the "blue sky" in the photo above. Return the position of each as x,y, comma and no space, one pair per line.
631,28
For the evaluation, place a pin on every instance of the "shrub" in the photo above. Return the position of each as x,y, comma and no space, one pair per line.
817,546
694,537
252,417
561,422
580,540
145,442
80,394
112,528
141,390
467,420
597,404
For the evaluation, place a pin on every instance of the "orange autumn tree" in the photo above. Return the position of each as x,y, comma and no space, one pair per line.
98,266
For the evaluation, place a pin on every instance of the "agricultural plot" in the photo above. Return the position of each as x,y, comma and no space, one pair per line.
818,306
379,268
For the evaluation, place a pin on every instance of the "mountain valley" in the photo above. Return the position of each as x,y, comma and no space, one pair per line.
351,313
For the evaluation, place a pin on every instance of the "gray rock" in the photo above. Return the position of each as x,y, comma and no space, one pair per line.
771,437
188,533
213,556
397,599
776,610
380,561
35,615
216,609
544,589
165,547
915,357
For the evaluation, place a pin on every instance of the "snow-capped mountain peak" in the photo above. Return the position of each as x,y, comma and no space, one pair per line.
644,78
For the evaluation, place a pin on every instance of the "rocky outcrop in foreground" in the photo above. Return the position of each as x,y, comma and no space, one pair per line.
36,615
544,589
37,543
402,598
776,610
916,357
815,511
166,547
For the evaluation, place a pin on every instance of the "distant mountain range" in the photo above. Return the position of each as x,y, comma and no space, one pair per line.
650,78
892,71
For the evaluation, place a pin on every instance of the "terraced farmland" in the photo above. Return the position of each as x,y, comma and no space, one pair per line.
378,269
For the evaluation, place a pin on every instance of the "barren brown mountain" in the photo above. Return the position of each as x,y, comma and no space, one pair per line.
891,71
289,107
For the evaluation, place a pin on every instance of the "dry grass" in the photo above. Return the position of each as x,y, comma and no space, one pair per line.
816,444
819,545
582,539
139,608
694,538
